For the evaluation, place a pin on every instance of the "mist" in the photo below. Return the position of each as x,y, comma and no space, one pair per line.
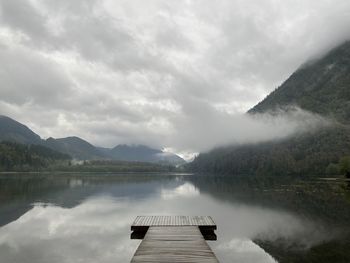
216,129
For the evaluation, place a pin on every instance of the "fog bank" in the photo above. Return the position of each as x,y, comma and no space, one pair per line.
214,130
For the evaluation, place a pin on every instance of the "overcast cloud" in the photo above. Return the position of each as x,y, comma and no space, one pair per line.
176,74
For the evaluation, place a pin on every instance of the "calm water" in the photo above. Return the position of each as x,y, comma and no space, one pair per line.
86,218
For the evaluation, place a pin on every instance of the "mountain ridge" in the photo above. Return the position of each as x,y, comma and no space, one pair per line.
12,130
321,86
78,148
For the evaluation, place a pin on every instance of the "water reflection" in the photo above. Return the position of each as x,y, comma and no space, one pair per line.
87,218
184,190
94,231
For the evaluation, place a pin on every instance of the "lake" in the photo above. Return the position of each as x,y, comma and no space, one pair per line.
87,217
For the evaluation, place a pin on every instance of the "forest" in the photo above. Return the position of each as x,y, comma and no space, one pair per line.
324,152
21,157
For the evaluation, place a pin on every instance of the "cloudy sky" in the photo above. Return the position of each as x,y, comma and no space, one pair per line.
161,73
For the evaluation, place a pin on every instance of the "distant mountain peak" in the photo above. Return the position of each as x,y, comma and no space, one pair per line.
143,153
76,147
136,147
73,139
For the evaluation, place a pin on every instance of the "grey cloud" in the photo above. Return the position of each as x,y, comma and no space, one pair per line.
171,74
22,16
27,77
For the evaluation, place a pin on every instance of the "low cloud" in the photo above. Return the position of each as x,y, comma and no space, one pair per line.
214,129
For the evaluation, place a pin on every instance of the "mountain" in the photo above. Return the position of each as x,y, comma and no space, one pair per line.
75,147
143,153
134,152
321,86
83,150
11,130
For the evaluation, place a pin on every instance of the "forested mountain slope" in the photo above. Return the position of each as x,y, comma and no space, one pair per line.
322,87
22,157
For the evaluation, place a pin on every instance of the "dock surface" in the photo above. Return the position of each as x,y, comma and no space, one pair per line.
173,239
200,221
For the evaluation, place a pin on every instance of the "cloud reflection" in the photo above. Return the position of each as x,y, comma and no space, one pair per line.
98,229
184,190
245,250
95,231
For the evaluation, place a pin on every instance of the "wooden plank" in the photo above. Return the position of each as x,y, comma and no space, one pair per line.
147,221
174,244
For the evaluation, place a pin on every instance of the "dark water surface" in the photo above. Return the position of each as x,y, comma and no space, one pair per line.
87,218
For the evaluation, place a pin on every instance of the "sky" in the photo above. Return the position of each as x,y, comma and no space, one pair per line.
174,74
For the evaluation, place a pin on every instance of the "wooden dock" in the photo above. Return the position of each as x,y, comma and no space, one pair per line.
174,239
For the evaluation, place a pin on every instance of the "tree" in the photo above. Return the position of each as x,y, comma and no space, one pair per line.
332,169
344,165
